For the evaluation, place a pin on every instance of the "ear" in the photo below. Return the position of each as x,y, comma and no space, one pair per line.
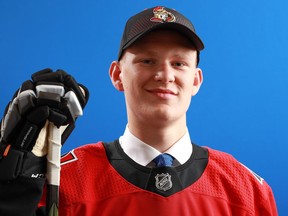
198,79
115,75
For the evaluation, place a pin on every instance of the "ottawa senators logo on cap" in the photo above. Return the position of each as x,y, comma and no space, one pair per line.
161,15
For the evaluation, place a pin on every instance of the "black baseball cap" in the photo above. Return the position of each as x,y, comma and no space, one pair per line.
157,18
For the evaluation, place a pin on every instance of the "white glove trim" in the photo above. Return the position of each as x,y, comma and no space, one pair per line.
73,104
57,89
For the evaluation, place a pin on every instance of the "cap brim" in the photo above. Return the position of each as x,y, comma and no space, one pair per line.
170,26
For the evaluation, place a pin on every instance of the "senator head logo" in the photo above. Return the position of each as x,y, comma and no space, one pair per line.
161,15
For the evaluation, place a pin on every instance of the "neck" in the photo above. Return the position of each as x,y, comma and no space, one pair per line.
159,137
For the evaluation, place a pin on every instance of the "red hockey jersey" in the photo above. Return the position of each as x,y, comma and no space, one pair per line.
100,179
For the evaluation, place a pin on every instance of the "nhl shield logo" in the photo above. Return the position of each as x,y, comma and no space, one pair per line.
163,181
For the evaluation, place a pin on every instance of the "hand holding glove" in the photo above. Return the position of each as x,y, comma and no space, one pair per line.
50,97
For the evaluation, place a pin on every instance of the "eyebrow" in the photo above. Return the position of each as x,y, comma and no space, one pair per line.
182,56
146,52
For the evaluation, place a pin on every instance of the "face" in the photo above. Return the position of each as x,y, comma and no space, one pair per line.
158,75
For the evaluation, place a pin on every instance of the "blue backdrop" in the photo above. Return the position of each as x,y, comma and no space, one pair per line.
241,107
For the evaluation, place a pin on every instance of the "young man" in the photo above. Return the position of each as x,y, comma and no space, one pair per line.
153,169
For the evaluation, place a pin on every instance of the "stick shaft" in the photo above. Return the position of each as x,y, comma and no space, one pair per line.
53,168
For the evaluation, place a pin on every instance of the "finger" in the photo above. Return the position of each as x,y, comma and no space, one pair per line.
71,84
38,76
51,87
22,102
25,138
73,104
61,76
57,118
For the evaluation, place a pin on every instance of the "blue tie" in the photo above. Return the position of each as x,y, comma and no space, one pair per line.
163,160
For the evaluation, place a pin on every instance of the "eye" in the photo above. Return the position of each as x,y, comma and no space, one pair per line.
147,61
178,64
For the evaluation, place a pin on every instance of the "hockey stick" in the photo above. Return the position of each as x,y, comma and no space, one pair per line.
53,170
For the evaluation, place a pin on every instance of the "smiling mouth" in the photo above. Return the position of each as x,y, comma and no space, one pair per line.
163,93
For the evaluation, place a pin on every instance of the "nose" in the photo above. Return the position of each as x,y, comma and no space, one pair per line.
165,73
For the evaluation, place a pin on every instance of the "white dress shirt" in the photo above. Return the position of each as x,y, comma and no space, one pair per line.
143,153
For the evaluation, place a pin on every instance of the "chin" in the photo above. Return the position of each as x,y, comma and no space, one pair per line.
162,115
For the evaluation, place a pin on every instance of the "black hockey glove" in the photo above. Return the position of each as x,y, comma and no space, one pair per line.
50,97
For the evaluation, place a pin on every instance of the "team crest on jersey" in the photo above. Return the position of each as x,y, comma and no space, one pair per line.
68,158
163,181
162,15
